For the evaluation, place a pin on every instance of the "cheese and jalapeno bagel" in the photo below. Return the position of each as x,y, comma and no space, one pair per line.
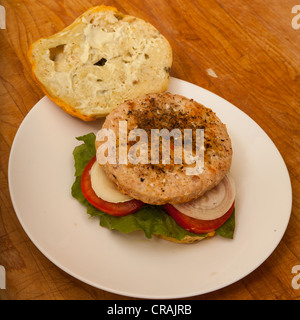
102,59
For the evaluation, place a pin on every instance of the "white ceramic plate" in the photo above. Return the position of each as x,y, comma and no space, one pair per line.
41,172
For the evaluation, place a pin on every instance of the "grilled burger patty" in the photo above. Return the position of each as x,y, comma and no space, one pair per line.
158,183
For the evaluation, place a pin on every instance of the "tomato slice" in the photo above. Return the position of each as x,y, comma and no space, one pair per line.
115,209
195,225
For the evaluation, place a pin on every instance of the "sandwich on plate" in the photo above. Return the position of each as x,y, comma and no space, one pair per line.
123,177
160,163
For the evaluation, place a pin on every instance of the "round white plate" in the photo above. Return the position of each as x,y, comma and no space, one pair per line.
41,173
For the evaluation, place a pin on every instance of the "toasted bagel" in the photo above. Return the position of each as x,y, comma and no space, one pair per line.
102,59
187,239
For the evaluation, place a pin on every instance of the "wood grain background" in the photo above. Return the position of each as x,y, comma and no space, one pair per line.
254,51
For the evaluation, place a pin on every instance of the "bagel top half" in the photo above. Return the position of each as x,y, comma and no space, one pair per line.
100,60
158,183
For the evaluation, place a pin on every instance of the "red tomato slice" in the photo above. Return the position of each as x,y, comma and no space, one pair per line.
195,225
115,209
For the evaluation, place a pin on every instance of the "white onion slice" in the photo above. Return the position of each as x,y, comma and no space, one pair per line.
213,204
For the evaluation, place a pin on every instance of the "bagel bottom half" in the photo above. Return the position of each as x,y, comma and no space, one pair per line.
186,239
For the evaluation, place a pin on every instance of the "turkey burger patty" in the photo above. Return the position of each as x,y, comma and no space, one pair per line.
168,183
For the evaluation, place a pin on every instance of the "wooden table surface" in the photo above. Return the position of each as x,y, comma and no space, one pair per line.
246,51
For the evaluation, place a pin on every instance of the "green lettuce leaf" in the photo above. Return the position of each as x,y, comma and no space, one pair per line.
227,229
84,153
152,220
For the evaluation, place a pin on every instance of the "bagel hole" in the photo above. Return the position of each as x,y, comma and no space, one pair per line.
101,62
55,52
119,16
99,93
